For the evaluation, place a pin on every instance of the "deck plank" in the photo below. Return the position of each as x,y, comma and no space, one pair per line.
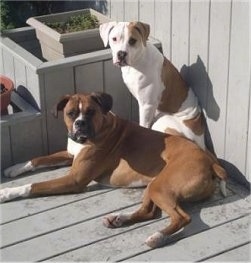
69,227
242,253
126,245
68,215
26,207
203,245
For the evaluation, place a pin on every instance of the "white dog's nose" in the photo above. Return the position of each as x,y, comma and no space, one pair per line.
122,55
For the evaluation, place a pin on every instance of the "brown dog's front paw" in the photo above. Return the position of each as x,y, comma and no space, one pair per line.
156,240
115,220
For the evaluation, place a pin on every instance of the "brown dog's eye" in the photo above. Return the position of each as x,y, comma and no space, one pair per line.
72,114
132,41
90,112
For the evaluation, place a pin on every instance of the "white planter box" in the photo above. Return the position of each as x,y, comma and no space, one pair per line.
55,45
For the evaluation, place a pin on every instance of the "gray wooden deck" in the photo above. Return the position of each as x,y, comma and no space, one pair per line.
69,227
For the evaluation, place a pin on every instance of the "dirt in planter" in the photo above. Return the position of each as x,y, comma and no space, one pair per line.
3,89
75,23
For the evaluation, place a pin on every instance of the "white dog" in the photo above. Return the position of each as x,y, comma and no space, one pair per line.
165,102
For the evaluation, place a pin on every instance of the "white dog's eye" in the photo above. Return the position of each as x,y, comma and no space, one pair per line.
132,41
114,39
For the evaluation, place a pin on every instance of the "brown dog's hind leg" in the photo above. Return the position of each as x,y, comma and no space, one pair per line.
167,202
147,211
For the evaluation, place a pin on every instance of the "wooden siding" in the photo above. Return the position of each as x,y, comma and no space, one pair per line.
209,43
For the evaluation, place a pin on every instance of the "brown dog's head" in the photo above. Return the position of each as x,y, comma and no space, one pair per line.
84,114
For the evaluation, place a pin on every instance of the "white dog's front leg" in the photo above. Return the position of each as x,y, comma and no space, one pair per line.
8,194
146,115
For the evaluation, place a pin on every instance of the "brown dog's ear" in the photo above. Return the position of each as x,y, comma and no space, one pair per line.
104,100
143,29
60,105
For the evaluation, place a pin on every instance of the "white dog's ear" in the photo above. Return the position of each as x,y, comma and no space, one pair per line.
143,29
104,31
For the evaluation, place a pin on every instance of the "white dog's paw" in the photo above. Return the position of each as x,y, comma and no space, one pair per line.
115,220
11,193
156,240
18,169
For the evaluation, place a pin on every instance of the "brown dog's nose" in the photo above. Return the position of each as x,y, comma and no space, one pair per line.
121,55
80,124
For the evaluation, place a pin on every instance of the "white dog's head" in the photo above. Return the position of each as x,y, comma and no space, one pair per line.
126,39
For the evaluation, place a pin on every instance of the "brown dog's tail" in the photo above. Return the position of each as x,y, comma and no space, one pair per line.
221,173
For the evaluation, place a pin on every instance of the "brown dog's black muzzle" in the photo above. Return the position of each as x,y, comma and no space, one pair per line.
83,131
80,125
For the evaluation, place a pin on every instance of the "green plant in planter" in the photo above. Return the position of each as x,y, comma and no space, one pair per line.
75,23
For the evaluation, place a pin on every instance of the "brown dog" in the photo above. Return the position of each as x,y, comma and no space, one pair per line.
113,151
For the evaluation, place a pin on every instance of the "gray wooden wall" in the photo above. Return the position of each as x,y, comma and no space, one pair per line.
208,41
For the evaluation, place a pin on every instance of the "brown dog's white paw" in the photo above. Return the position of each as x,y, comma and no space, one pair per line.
156,240
18,169
115,220
8,194
4,195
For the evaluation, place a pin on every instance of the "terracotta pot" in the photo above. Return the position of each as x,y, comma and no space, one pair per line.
6,94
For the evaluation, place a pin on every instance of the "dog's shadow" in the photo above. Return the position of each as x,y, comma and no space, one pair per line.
197,78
